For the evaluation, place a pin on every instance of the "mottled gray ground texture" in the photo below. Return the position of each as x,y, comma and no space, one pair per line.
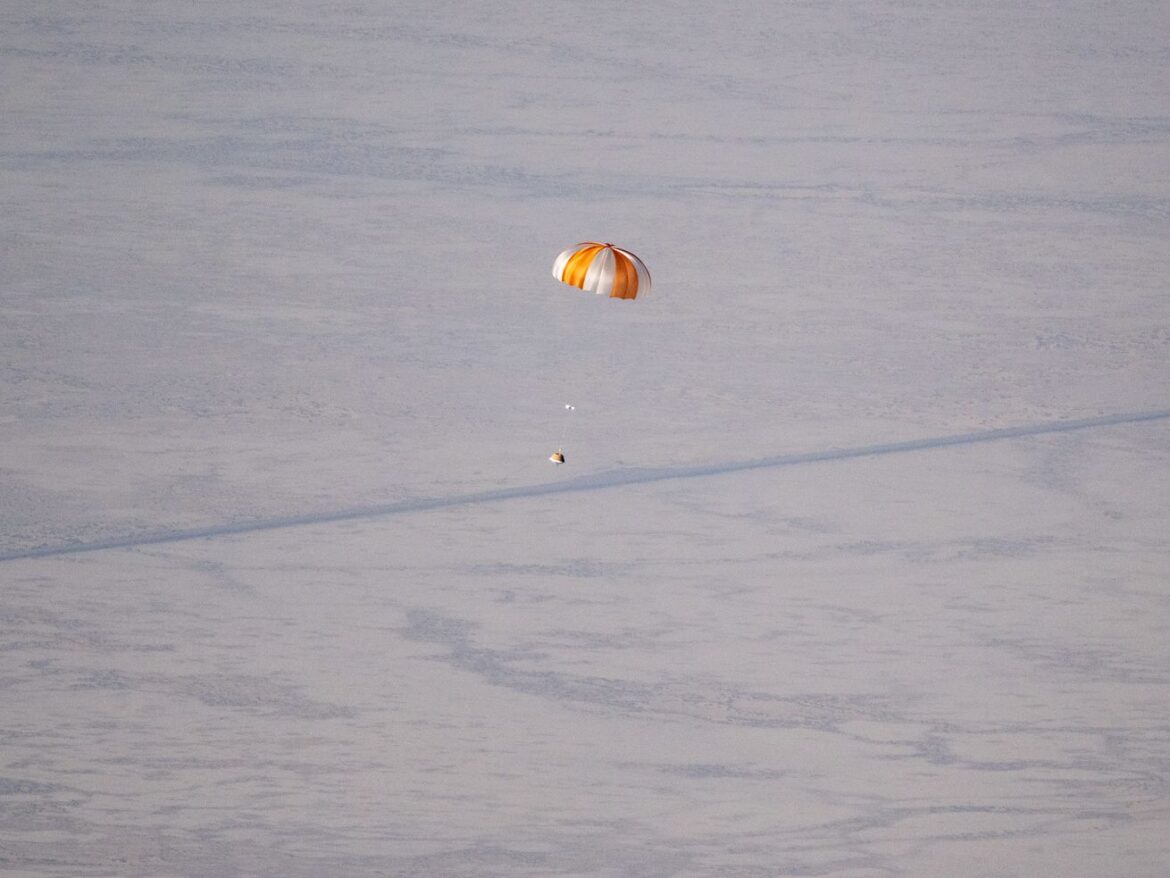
859,565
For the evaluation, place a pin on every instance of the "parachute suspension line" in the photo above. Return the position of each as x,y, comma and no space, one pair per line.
569,409
558,457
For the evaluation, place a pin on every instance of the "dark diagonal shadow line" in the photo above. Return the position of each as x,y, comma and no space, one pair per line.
596,482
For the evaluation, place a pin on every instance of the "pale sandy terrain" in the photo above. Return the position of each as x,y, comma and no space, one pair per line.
288,588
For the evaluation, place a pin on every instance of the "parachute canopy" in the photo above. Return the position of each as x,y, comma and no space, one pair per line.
603,269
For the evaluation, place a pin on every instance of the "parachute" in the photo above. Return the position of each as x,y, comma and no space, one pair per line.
603,269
